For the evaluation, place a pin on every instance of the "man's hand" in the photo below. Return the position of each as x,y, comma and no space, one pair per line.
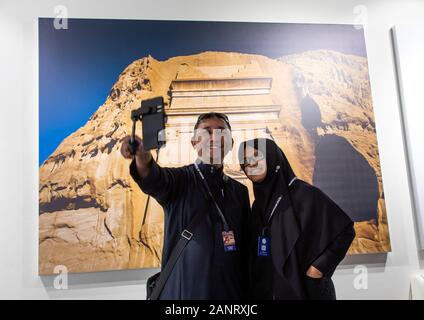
314,272
142,157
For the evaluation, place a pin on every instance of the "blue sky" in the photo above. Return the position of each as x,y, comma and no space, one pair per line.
79,65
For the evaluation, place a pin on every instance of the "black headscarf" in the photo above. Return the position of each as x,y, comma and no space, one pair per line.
279,175
305,219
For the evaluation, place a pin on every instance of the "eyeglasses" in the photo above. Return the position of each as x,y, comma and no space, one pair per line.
208,115
216,114
253,159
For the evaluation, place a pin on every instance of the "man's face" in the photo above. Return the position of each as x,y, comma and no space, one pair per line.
212,140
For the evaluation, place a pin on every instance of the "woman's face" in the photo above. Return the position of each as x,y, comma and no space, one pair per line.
254,165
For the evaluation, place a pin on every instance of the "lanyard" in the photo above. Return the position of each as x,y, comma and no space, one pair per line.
292,180
226,228
272,213
275,207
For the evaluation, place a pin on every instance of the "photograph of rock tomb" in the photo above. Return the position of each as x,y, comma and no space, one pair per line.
306,86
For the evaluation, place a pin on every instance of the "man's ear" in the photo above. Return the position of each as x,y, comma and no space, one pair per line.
194,142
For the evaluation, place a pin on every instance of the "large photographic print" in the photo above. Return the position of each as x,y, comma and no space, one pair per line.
304,85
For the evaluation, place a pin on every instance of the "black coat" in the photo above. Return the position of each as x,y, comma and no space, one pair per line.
204,270
307,228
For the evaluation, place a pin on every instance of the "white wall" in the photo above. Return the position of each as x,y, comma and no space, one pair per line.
410,66
388,275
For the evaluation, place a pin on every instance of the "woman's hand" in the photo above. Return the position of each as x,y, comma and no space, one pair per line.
314,272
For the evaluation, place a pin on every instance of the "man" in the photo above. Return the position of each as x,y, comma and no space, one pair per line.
214,263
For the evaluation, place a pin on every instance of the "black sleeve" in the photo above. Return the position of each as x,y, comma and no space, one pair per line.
163,184
328,261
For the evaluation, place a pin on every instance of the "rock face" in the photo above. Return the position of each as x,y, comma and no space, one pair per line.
92,214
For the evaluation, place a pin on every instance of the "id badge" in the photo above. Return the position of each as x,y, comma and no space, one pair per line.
263,246
229,241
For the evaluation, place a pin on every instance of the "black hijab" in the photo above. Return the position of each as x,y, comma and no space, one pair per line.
305,214
279,175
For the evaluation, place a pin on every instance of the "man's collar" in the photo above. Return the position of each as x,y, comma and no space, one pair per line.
210,169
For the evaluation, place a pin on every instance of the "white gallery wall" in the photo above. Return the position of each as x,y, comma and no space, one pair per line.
388,275
408,41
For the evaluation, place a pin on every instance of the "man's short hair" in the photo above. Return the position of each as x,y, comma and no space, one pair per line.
210,115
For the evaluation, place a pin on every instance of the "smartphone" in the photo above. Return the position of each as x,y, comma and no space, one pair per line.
153,120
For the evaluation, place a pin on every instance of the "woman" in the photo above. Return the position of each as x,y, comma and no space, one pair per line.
298,234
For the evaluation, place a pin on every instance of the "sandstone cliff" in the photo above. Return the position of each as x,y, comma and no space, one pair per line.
91,211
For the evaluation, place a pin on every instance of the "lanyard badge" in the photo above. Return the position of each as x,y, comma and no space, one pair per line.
264,242
229,241
263,246
227,236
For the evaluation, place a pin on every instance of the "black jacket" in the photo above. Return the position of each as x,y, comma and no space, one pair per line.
204,270
307,228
